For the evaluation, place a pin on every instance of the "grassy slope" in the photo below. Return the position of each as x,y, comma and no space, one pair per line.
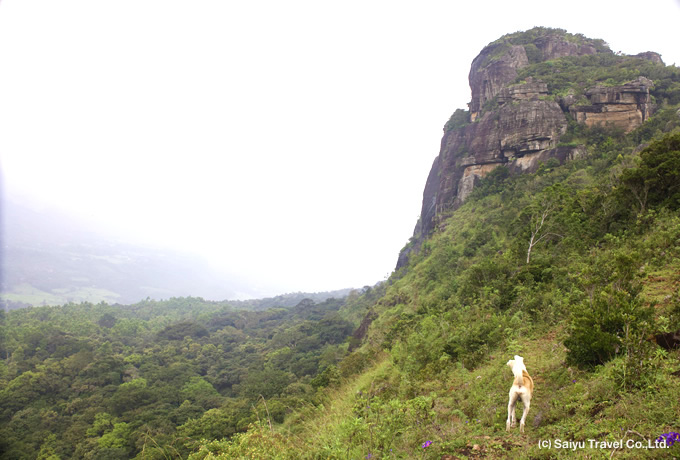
468,415
446,327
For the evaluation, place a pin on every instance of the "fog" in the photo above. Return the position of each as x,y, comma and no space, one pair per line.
284,144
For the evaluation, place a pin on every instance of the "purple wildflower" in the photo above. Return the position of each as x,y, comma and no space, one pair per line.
426,444
670,438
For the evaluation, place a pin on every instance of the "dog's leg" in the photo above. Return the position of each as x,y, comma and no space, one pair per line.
512,400
526,399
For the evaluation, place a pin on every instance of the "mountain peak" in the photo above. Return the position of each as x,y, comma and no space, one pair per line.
526,90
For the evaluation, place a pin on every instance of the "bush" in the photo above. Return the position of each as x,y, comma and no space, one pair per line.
656,180
459,119
257,442
329,377
614,321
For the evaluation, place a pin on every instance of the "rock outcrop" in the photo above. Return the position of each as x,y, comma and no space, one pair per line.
495,66
556,46
651,56
519,124
498,63
514,124
625,107
522,124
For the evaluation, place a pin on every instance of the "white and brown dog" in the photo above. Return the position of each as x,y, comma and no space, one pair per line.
522,387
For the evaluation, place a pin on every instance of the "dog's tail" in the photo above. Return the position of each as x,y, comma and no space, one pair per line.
528,381
517,369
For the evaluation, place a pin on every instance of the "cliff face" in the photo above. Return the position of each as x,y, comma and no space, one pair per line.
518,123
522,124
489,73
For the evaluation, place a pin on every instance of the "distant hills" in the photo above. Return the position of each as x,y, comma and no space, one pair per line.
289,300
49,258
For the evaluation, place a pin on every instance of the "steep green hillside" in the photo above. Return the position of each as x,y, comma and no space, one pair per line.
602,281
574,266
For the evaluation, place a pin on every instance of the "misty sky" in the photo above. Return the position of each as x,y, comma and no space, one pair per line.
287,141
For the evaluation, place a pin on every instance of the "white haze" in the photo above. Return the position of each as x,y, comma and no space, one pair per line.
288,142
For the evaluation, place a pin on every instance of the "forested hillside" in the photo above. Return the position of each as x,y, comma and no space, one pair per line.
102,381
572,263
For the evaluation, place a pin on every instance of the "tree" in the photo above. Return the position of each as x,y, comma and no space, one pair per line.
214,424
656,180
118,438
542,222
130,395
107,321
267,383
180,330
201,392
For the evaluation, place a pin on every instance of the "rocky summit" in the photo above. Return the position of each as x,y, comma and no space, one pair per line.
527,88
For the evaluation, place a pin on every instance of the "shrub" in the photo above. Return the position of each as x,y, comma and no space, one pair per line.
459,119
614,321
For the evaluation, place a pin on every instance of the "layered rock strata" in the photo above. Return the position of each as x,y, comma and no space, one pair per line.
625,107
498,63
521,132
522,124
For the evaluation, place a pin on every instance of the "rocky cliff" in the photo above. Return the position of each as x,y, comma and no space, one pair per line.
498,63
521,105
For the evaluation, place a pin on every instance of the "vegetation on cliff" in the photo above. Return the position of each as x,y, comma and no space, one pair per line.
575,74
